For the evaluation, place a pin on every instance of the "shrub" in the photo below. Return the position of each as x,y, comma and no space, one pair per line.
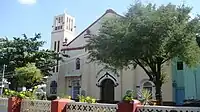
29,94
65,96
145,97
87,99
129,96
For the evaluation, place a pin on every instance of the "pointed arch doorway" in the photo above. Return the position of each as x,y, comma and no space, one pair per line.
107,91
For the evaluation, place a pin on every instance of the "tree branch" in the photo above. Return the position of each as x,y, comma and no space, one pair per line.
150,64
143,67
166,60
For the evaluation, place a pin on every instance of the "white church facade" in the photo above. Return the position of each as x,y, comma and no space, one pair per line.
75,75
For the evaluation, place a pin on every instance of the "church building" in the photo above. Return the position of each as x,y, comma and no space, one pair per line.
75,75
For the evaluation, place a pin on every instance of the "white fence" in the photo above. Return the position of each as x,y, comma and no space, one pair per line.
90,107
167,109
45,106
35,106
3,104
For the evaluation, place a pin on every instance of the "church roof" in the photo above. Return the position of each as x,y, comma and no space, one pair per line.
107,11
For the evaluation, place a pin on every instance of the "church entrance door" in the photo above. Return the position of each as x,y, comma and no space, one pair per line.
107,91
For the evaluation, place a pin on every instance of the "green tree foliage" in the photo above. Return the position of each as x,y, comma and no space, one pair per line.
28,76
18,52
148,36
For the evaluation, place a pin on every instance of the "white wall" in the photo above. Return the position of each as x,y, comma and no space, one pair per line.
130,78
60,35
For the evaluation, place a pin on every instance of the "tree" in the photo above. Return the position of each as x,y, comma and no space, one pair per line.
149,37
28,76
21,51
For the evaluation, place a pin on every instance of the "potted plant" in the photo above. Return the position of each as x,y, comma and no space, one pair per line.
127,103
16,97
129,96
146,97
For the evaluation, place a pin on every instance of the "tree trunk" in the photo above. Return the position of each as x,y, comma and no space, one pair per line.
158,84
158,93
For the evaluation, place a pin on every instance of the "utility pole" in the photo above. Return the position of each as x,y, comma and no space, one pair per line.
2,80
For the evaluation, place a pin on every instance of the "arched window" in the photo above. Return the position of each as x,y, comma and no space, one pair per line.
53,87
78,64
148,86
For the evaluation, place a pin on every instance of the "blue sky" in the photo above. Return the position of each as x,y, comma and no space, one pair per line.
36,16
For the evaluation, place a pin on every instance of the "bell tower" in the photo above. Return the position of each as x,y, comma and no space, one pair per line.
63,31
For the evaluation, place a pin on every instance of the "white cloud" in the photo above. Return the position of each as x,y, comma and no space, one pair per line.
27,2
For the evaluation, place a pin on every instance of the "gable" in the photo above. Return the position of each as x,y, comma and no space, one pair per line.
79,42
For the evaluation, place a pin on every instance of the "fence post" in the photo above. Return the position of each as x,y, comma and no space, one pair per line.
136,103
128,106
59,105
14,104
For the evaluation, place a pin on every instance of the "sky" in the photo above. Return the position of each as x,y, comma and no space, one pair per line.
19,17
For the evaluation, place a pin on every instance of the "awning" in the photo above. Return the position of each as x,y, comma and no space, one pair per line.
72,75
